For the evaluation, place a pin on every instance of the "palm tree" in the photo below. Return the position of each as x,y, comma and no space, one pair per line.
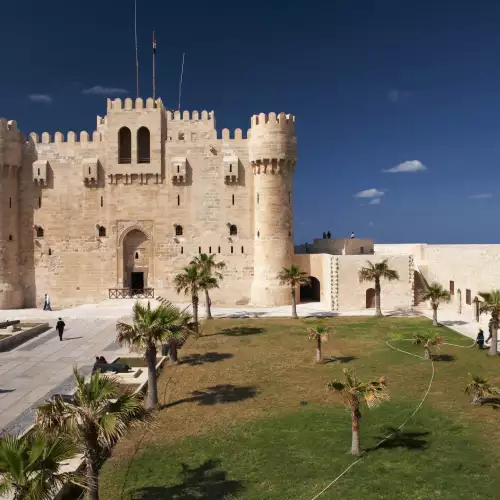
293,277
93,418
428,340
150,327
354,393
190,281
30,466
320,335
436,294
212,275
375,272
491,305
480,389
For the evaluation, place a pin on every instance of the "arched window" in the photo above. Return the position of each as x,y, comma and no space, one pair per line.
124,145
136,255
143,145
233,230
102,232
178,230
10,237
39,232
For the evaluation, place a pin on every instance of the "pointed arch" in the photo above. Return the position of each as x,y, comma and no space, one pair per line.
143,145
124,145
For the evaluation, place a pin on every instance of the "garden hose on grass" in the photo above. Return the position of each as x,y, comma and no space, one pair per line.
406,421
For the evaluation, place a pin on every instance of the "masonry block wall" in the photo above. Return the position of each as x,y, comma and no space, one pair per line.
142,195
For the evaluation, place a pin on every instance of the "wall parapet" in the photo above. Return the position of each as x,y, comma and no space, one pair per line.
129,104
185,115
71,137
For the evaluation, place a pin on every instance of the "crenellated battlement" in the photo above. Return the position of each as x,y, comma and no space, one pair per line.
84,138
130,104
185,116
229,135
11,143
281,121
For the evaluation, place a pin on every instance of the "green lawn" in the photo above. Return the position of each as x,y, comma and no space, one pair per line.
247,416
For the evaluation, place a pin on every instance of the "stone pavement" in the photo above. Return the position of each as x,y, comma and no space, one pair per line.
43,366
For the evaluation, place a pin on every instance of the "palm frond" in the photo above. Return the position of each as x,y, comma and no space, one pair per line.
377,271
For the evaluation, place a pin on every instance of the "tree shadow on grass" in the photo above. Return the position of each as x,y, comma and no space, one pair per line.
402,439
340,359
238,331
205,482
452,323
222,393
208,357
443,357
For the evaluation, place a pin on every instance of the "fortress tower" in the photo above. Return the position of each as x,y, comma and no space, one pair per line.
272,155
11,157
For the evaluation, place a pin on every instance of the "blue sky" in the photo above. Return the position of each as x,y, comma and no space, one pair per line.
373,84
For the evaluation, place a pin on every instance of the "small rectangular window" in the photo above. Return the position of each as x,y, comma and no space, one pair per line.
242,251
218,250
468,300
39,202
209,250
199,249
231,249
178,199
452,288
233,199
182,249
10,202
102,201
230,168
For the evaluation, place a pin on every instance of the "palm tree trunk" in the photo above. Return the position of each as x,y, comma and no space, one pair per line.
319,356
494,339
427,353
434,315
355,448
294,303
152,399
378,310
92,479
173,352
208,303
194,300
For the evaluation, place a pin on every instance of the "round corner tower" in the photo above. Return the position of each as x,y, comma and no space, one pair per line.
11,156
273,155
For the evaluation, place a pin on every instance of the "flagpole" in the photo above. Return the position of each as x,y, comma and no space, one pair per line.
136,50
180,82
154,66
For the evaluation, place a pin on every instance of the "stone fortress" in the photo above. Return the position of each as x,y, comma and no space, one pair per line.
129,205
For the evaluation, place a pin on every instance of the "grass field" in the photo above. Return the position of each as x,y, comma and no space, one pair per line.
246,416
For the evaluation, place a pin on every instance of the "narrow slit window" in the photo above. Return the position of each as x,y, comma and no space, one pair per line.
39,202
89,170
258,234
242,250
38,171
199,249
182,250
258,198
136,255
231,249
50,252
218,250
230,168
209,250
10,202
102,201
10,237
178,200
233,199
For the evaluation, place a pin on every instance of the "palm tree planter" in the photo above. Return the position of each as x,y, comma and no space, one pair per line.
94,418
320,335
293,277
190,281
149,328
429,341
375,272
210,270
436,294
491,305
30,465
354,392
481,391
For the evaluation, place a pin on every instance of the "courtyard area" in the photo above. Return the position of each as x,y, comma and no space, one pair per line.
246,415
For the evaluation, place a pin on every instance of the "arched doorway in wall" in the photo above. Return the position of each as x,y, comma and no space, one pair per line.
136,260
311,292
370,298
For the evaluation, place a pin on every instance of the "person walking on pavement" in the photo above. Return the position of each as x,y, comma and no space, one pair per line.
46,303
60,328
480,339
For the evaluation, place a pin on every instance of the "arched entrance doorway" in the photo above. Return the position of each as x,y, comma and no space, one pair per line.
311,292
136,260
370,298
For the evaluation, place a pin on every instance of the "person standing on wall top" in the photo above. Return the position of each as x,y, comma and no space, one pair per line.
352,235
328,235
60,328
324,236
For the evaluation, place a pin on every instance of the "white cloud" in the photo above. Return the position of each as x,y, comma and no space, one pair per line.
480,196
100,90
375,201
396,95
369,193
407,166
45,98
